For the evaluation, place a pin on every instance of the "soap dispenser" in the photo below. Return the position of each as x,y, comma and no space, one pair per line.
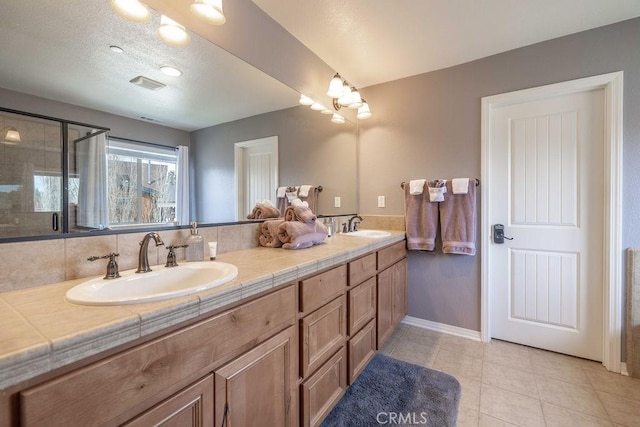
195,250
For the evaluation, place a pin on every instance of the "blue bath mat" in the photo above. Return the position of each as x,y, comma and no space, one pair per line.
393,392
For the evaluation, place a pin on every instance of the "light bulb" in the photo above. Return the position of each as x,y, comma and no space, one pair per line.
364,112
210,11
132,10
335,87
305,100
172,33
337,118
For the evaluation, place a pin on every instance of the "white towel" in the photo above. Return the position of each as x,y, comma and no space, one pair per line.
437,189
281,191
460,185
304,190
416,186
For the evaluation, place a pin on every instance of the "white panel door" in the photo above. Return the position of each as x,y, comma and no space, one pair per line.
547,175
256,164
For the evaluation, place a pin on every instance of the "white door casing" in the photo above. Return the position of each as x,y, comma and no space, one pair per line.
256,172
561,261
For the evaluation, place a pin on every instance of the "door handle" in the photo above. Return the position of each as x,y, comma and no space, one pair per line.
498,234
54,221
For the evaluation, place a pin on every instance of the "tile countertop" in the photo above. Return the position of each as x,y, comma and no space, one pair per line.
41,331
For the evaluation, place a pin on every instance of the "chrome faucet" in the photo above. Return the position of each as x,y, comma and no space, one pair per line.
353,226
143,255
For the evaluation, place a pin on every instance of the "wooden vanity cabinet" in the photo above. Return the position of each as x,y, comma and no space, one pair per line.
123,386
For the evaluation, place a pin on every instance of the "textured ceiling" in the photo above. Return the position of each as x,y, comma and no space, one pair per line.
60,50
374,41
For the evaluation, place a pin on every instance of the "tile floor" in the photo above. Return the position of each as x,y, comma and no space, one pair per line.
506,384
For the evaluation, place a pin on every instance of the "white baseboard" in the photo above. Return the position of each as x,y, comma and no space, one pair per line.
623,369
443,328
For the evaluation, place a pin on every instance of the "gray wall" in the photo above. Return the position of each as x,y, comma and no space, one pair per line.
429,126
120,126
312,150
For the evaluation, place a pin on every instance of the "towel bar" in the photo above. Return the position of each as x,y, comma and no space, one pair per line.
403,183
291,188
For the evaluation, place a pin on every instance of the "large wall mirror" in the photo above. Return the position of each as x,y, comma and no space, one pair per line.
60,60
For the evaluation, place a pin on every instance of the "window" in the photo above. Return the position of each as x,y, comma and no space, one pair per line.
141,183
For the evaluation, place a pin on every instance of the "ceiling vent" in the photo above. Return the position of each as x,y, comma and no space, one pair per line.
147,83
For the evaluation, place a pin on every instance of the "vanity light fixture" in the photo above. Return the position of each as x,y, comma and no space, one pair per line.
172,33
132,10
10,135
170,71
316,106
344,95
210,11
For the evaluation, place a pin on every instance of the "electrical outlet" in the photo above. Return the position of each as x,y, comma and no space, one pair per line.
381,202
336,202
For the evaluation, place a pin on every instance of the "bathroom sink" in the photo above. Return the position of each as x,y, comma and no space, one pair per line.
159,284
374,234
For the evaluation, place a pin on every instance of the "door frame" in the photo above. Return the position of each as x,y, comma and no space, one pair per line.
612,83
239,158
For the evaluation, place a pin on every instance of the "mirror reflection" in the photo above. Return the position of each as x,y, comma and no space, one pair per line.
69,71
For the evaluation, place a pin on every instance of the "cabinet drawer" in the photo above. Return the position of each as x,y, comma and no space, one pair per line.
361,269
321,392
119,387
322,333
362,347
390,255
322,288
362,305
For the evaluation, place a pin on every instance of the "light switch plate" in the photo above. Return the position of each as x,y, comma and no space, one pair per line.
381,202
336,202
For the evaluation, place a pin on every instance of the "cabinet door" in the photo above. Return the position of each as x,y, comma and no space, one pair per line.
385,304
322,390
190,407
259,388
399,292
392,299
362,305
362,348
323,332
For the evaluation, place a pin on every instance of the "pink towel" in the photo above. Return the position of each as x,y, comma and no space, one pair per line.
301,235
269,233
299,213
311,198
421,221
458,221
263,211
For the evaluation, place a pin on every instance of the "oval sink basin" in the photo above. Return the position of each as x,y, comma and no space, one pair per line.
159,284
374,234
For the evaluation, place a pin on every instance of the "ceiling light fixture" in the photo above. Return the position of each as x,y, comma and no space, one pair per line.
10,135
116,49
210,11
132,10
172,33
345,95
170,71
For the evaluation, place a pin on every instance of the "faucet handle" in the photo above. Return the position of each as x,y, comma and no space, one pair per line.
112,265
172,259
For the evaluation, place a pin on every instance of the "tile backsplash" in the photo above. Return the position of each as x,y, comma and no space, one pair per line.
35,263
